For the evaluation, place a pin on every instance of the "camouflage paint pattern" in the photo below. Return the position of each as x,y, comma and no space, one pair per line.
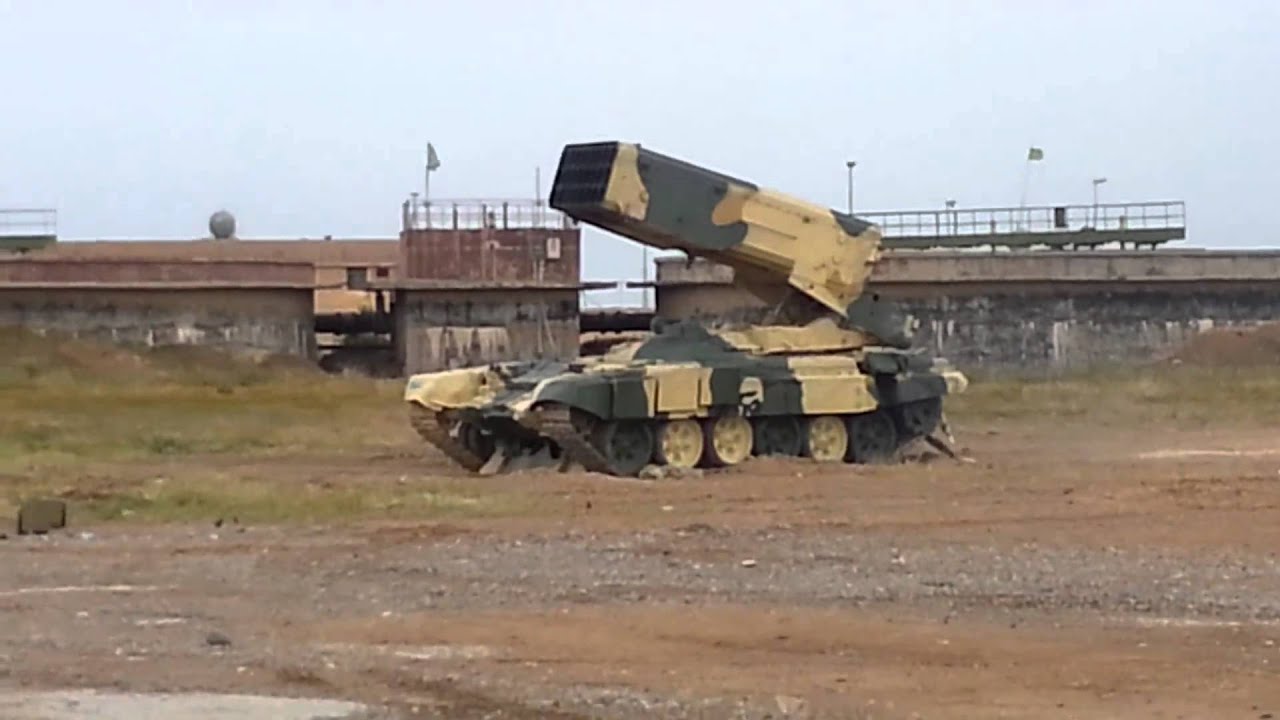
695,373
762,234
687,394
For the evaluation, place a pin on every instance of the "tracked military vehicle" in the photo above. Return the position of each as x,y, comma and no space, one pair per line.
833,378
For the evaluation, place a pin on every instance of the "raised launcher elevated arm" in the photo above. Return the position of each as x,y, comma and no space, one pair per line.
775,243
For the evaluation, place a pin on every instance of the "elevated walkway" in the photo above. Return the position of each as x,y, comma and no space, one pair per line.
23,230
1144,224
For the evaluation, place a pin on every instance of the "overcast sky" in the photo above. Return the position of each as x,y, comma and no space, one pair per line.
307,117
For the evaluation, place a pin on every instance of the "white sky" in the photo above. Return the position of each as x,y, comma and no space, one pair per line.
138,119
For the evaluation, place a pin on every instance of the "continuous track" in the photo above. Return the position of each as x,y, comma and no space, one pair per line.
434,428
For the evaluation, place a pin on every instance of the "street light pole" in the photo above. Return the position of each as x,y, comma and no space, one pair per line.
850,164
1096,183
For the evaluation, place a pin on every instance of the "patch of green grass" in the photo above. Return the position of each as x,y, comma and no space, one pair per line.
63,402
137,435
1181,396
82,423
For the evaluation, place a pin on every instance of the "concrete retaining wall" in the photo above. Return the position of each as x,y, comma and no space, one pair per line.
1036,311
440,329
235,305
278,320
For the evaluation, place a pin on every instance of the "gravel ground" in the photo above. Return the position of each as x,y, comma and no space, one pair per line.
1114,588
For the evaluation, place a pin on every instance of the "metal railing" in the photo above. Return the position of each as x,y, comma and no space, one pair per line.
24,230
499,214
1112,219
28,222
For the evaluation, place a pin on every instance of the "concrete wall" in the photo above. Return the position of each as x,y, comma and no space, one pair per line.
934,267
1039,328
275,320
1033,312
439,329
330,261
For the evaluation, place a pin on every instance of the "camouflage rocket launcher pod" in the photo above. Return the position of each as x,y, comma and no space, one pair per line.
837,383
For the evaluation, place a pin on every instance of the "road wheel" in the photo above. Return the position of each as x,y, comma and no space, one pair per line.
872,437
780,435
826,439
680,443
627,445
729,440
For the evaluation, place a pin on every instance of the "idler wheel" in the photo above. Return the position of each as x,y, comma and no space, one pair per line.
919,418
475,440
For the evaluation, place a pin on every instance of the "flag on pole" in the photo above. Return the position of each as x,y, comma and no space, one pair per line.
433,160
1035,153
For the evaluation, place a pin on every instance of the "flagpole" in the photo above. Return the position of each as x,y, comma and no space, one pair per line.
433,162
1022,203
1034,154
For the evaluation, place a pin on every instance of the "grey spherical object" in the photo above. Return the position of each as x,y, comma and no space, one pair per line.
222,225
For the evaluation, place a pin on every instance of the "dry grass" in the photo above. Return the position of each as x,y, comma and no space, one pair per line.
64,403
143,434
189,434
1170,396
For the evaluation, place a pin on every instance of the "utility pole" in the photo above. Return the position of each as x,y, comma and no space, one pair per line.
850,165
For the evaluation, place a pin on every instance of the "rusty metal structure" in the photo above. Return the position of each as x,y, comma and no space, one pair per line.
488,241
484,281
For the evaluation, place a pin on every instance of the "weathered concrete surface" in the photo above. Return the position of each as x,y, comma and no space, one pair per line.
273,320
329,263
440,329
45,272
1031,311
1059,331
254,305
1044,266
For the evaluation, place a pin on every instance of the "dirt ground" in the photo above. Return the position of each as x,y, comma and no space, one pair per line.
1074,570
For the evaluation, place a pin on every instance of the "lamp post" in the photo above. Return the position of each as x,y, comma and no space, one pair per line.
951,211
1096,183
850,165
